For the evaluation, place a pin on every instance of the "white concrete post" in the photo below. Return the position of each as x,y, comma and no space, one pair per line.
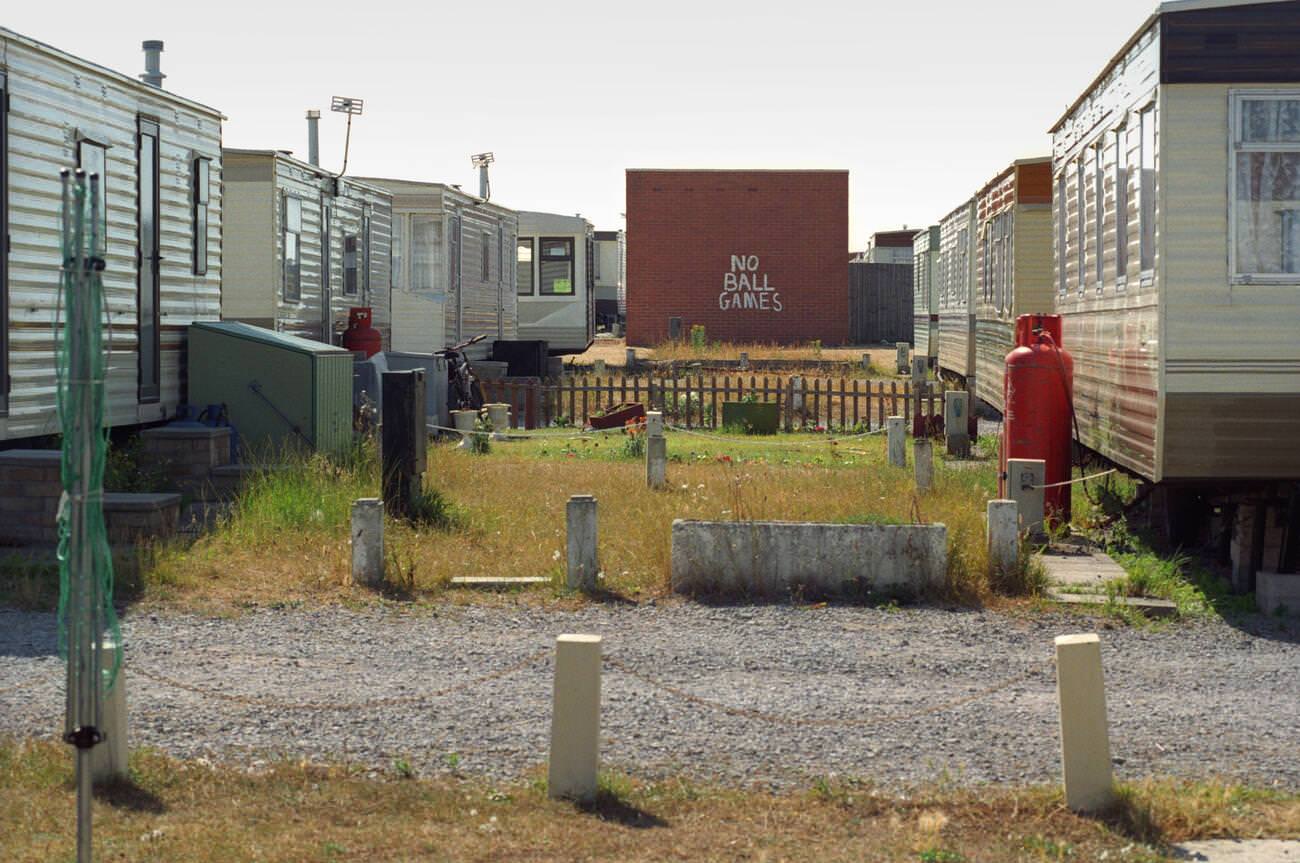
903,364
599,366
956,419
744,361
1003,535
575,718
896,429
1025,478
629,357
923,454
919,369
580,518
796,393
866,362
654,424
656,450
108,758
368,541
1085,740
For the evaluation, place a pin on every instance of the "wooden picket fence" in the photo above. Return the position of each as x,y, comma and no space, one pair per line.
694,401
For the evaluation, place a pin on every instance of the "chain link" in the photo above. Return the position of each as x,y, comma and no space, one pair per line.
386,701
803,722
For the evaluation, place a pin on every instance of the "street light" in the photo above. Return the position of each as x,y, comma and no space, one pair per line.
350,106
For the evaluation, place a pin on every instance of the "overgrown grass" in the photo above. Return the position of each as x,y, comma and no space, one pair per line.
291,811
703,350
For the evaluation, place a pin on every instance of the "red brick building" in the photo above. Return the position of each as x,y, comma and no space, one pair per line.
753,256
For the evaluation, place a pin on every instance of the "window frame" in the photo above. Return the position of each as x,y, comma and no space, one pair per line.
287,200
87,141
1099,212
532,268
1062,232
1081,223
200,200
1147,196
485,254
1237,97
1119,140
4,244
351,277
570,259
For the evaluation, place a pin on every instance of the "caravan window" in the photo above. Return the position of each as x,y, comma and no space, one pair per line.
199,200
1121,207
350,244
1147,191
485,239
524,267
92,157
4,232
292,249
557,266
1266,186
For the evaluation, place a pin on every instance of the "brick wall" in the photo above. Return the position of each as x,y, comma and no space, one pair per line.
726,249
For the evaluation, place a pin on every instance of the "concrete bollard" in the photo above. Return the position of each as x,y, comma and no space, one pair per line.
656,461
904,363
629,358
368,541
1085,740
896,430
923,455
108,759
499,416
956,418
796,393
654,424
580,520
1025,478
866,362
599,366
744,361
920,369
575,718
1003,535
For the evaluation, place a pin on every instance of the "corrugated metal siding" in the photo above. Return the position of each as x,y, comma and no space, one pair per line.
566,324
880,303
956,289
332,410
52,102
925,260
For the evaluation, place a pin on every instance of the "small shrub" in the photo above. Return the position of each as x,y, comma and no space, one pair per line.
634,440
699,339
126,469
480,442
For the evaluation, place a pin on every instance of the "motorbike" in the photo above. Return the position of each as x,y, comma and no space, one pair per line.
463,390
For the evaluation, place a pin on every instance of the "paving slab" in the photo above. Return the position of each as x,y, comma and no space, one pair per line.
1078,567
1147,605
491,583
1240,851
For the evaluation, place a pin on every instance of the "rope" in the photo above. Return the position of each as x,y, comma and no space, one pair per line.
387,701
801,722
1073,481
519,435
776,443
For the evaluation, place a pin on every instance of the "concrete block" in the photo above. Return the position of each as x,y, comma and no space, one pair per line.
923,458
1278,591
896,432
108,759
903,362
920,369
575,718
599,366
656,461
654,423
629,358
1003,535
580,520
1085,738
866,362
1025,477
772,559
368,541
956,419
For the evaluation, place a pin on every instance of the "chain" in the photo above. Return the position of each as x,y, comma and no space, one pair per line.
778,719
775,443
388,701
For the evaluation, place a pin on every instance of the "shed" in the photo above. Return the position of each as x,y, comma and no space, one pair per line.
304,246
556,281
1177,236
159,155
453,269
925,306
280,391
956,290
880,302
1013,262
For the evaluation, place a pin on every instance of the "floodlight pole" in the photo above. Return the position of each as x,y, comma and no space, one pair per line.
346,105
347,141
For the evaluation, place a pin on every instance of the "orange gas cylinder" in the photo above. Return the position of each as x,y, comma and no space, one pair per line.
1038,392
360,336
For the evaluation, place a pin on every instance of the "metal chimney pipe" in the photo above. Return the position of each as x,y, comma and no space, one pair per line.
313,137
153,75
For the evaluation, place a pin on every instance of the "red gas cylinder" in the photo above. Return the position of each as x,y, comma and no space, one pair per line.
1038,391
360,336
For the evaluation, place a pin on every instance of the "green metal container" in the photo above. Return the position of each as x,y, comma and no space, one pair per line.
280,391
753,417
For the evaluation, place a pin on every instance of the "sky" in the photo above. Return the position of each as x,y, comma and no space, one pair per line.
922,103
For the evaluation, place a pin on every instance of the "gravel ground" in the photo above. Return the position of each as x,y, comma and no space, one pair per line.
1196,700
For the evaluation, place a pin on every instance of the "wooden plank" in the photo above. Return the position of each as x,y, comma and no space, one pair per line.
498,583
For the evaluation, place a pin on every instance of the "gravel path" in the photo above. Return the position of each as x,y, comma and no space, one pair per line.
1197,700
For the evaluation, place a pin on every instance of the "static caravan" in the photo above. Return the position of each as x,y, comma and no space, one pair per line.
303,246
556,281
1177,234
160,157
956,289
1013,248
925,305
452,268
607,273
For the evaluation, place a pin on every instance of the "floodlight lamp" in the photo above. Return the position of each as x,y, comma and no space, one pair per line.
482,159
346,105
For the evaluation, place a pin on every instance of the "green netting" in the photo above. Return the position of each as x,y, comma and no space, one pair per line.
87,622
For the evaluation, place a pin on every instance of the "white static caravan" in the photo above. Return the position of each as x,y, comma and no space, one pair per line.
452,267
303,246
556,284
609,263
1186,149
160,157
925,307
956,289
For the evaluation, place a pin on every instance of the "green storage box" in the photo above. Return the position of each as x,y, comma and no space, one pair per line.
753,417
280,391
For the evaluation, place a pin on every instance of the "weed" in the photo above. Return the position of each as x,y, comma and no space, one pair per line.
452,760
480,442
633,440
699,339
939,855
403,768
127,469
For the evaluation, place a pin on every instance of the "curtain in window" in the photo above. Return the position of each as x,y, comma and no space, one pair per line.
1268,188
425,250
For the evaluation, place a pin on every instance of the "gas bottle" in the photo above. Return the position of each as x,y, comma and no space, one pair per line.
1038,394
360,336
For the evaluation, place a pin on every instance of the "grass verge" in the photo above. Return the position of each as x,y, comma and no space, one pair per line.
291,811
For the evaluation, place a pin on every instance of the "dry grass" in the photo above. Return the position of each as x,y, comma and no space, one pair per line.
288,541
190,811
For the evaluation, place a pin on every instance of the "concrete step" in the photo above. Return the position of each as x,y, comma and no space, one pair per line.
1147,605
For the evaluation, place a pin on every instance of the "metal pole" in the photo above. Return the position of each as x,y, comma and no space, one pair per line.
347,141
